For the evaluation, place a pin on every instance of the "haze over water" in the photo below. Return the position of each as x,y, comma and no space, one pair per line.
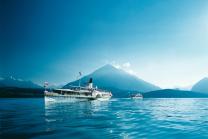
117,118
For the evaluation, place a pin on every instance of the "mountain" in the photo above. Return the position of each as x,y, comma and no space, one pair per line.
12,82
171,93
115,80
201,86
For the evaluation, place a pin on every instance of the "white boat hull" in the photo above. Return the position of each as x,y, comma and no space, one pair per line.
72,98
137,98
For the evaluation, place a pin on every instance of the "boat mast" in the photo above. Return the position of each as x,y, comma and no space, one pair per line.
80,74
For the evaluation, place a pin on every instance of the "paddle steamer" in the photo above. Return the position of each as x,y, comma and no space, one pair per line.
78,92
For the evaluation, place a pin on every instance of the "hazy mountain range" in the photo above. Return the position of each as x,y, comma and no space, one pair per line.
19,83
12,87
119,82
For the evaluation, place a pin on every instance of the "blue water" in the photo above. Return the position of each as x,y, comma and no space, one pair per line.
118,118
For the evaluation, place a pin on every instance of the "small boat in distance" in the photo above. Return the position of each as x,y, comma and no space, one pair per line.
136,96
78,92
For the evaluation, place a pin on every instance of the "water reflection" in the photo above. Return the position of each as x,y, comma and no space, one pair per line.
78,118
78,109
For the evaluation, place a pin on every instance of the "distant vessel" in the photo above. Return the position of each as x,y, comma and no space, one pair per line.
136,96
78,92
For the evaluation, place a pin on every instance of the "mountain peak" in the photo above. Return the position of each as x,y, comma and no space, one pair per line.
107,66
106,69
111,78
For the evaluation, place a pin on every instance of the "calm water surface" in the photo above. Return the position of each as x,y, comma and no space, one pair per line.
117,118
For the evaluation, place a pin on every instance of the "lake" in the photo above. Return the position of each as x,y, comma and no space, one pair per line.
117,118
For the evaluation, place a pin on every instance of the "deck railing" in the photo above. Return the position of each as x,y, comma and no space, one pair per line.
85,88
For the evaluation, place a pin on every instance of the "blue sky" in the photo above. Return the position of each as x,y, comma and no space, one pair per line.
163,42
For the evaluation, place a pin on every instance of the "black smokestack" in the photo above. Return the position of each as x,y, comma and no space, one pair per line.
90,81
